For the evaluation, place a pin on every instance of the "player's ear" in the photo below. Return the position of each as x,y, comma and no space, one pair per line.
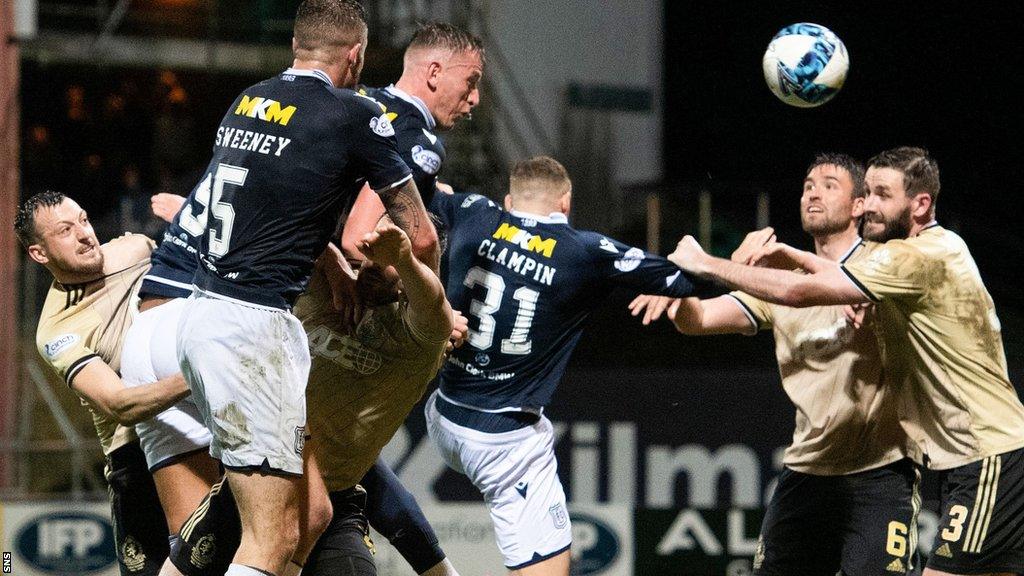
355,56
508,201
38,253
295,45
858,207
565,203
434,70
921,205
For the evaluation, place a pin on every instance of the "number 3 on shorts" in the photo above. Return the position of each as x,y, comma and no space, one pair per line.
957,516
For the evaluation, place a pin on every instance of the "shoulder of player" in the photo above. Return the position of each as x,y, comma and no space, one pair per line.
600,246
126,251
915,248
358,100
57,332
471,202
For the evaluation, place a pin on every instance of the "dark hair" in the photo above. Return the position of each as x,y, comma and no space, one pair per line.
852,166
447,36
25,220
326,23
920,171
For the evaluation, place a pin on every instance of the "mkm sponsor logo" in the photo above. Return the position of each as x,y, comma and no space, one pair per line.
525,240
265,109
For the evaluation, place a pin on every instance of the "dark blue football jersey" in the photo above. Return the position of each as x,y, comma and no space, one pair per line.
527,283
174,262
289,156
422,150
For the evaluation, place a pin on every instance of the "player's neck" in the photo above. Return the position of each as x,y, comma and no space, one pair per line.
835,246
415,87
919,225
335,72
536,209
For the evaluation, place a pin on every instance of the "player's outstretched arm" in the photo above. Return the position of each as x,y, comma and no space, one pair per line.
362,219
722,315
693,316
827,285
429,311
103,389
405,207
342,281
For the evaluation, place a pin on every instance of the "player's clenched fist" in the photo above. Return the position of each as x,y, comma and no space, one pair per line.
689,255
388,245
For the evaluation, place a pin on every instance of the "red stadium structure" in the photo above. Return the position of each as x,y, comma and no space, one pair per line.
9,125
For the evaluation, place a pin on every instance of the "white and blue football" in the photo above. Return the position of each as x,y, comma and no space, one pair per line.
805,65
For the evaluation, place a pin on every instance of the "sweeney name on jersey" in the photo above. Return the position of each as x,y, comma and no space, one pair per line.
527,283
260,108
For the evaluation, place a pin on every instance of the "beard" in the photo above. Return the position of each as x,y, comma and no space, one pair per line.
879,229
823,226
80,267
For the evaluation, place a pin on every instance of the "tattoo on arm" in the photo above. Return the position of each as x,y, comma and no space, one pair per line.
405,207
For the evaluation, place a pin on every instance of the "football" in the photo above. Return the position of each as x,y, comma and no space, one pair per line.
805,65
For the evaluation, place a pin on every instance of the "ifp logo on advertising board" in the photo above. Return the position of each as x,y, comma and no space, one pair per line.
67,543
594,545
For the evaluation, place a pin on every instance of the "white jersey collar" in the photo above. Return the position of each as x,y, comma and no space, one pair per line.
415,101
315,73
553,218
856,244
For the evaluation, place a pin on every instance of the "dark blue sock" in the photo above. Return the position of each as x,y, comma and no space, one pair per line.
394,513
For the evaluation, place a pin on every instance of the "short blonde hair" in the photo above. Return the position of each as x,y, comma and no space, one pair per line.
325,24
539,174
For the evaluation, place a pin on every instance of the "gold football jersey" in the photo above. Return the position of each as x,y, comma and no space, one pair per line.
81,323
942,346
846,417
363,385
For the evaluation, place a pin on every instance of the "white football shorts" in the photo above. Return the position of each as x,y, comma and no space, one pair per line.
247,366
150,354
517,474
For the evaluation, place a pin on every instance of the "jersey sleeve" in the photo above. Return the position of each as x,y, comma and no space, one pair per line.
895,269
635,269
64,348
757,311
422,159
451,208
374,148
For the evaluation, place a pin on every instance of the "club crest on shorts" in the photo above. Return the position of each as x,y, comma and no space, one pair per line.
203,551
559,516
300,439
132,555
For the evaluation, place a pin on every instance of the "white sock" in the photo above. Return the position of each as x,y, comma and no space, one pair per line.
243,570
442,568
